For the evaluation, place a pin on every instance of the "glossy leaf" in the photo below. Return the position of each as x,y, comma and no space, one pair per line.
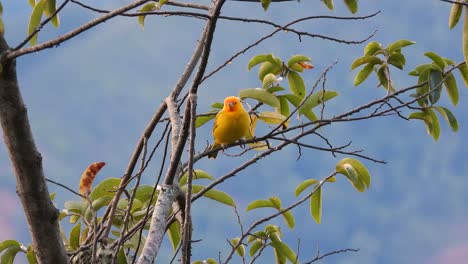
435,85
205,118
197,174
372,48
451,88
174,235
439,61
295,100
35,20
74,237
352,5
9,243
271,117
107,187
448,116
398,45
284,250
146,8
304,185
455,14
268,80
363,74
259,95
316,99
268,67
259,204
364,60
50,8
397,60
255,246
240,250
298,58
215,195
296,84
275,89
315,205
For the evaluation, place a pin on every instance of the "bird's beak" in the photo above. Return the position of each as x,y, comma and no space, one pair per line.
231,105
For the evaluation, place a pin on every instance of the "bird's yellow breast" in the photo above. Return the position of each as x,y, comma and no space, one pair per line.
231,126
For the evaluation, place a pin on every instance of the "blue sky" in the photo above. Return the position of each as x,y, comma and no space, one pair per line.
90,98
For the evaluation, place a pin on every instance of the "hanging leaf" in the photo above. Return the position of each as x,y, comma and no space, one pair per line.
255,246
439,61
455,14
259,95
316,205
74,237
268,67
259,204
448,116
284,250
363,74
257,235
397,60
435,126
328,3
146,8
174,235
35,20
213,194
451,87
265,4
352,5
9,243
289,219
363,172
463,69
296,84
271,117
383,80
9,255
295,100
240,250
304,185
435,85
284,109
268,80
465,35
50,8
31,255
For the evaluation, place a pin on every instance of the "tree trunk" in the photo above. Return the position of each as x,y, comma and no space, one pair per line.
26,161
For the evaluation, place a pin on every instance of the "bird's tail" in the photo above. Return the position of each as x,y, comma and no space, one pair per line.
213,155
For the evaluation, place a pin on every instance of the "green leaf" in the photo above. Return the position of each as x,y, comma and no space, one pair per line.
255,246
284,250
31,255
439,61
52,196
9,255
315,99
455,14
352,175
448,116
217,105
144,192
259,59
362,171
304,185
352,5
240,250
97,204
74,237
316,205
423,89
295,100
9,243
383,80
32,3
121,259
210,261
197,174
435,85
35,20
107,187
265,4
463,69
398,60
296,84
205,118
364,60
276,202
271,117
174,235
259,95
420,69
398,45
274,89
289,219
2,32
146,8
268,67
259,204
215,195
269,79
297,58
328,3
435,126
452,88
280,258
363,74
50,8
372,48
284,108
258,235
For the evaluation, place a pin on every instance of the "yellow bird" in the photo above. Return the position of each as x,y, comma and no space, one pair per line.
231,124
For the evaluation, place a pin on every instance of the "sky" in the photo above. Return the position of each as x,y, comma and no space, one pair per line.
90,98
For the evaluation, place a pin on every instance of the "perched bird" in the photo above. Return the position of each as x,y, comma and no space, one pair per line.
231,124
